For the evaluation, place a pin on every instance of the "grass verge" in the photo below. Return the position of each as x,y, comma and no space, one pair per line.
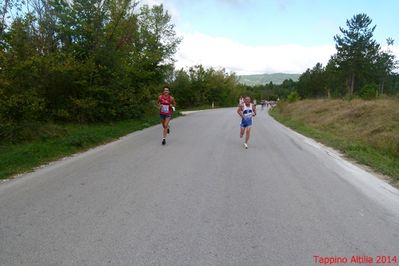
366,131
19,158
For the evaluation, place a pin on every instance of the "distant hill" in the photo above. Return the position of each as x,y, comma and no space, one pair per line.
261,79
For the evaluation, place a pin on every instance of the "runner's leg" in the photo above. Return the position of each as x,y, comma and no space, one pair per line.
242,129
247,134
165,127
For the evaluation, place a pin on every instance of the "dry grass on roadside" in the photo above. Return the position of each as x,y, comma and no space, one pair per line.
366,131
375,123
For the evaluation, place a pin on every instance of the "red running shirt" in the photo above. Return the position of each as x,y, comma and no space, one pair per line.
166,105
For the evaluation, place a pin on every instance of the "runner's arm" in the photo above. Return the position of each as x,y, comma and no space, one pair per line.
254,109
239,110
173,102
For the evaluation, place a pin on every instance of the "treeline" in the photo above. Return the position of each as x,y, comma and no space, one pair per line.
360,68
199,86
271,92
94,61
82,60
106,60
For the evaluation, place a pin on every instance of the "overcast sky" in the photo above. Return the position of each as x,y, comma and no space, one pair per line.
269,36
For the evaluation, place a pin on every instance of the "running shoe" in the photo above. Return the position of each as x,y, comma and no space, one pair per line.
163,141
245,146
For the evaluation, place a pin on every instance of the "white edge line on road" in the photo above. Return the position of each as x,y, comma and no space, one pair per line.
188,112
67,159
78,155
369,183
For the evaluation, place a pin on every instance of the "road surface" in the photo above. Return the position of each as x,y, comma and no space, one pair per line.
200,200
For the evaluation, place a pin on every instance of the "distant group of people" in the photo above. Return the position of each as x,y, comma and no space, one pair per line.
246,110
268,104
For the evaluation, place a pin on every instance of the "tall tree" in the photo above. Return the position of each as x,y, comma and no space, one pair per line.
156,42
357,51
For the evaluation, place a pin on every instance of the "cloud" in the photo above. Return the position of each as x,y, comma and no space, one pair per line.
218,52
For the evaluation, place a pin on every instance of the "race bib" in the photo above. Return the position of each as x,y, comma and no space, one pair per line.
165,108
247,114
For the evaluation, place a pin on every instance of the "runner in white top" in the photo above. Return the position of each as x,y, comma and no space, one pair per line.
247,110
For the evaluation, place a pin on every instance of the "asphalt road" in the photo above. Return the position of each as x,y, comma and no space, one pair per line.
200,200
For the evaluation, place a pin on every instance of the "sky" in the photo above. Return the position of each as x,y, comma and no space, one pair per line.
270,36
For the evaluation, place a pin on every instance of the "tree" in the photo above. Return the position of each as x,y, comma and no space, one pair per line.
385,65
334,78
85,60
181,89
357,51
6,8
202,86
156,42
312,82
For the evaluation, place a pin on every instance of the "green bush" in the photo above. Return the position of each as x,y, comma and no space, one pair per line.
17,113
368,92
293,97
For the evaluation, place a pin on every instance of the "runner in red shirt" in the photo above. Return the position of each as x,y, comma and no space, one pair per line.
166,107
